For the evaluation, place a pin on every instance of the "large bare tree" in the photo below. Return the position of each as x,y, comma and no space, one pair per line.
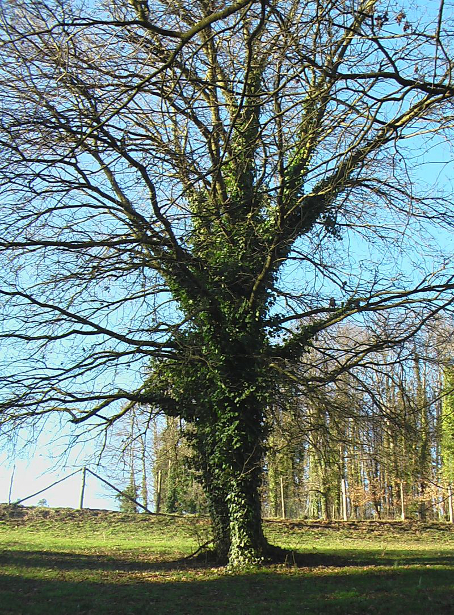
192,192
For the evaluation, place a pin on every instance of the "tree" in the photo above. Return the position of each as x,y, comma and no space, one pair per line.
447,427
125,454
179,489
127,496
191,195
375,431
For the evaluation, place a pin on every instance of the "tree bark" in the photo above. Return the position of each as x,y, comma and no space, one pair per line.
232,483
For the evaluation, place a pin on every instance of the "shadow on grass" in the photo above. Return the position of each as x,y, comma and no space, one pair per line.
57,583
149,563
136,563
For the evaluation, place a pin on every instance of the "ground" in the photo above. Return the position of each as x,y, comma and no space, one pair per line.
63,561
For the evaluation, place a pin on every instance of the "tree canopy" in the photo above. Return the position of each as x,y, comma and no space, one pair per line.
194,196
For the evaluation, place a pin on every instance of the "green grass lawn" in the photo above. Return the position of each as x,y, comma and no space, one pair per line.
61,562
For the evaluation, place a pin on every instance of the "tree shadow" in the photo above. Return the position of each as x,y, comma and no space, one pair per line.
206,559
63,584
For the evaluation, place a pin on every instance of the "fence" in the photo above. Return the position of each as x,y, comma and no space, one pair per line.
345,511
84,472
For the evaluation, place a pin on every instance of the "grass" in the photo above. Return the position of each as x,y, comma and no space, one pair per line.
61,562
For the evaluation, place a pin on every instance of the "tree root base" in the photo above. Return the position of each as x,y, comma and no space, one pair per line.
273,556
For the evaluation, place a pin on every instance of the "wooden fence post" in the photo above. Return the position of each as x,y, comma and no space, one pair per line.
11,482
82,489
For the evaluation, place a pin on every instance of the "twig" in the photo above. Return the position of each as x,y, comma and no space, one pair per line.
198,550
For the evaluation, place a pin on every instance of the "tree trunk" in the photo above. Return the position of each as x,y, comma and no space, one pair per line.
232,483
247,542
219,514
235,513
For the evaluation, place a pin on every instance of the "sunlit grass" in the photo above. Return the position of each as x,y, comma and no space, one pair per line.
105,564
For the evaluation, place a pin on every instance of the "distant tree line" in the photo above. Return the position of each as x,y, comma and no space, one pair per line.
377,442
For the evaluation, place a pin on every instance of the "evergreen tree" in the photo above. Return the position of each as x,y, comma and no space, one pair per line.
126,503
